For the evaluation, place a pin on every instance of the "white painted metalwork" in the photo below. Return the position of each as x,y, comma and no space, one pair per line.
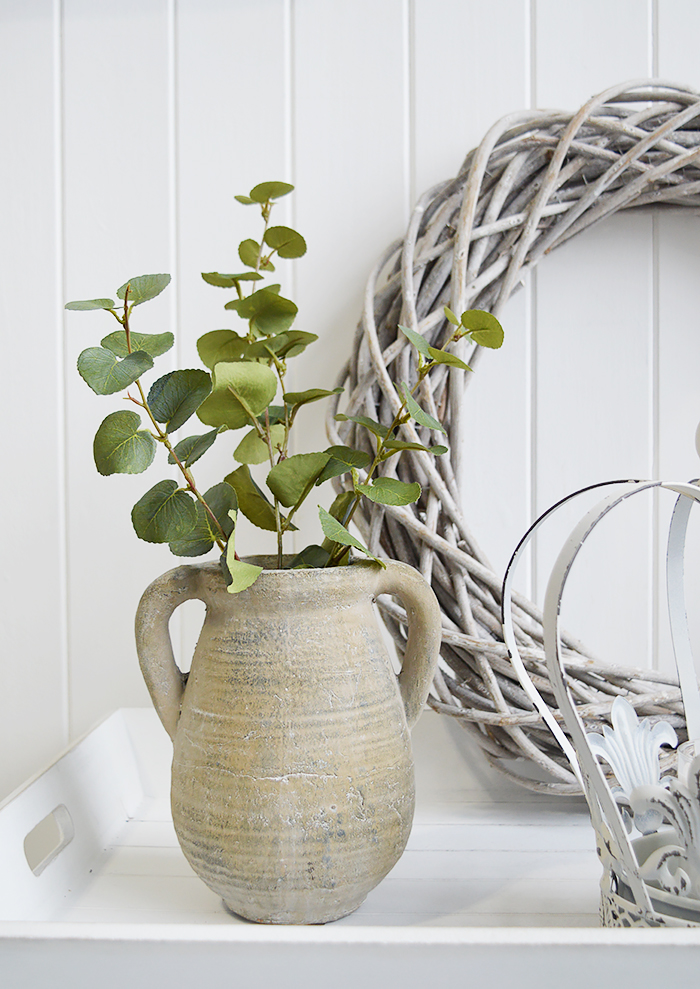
647,828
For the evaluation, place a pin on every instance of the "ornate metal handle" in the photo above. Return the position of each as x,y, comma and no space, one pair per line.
424,633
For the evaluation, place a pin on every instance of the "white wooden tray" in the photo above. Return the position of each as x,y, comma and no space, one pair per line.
496,884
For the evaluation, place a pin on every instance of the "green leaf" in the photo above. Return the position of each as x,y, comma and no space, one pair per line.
177,395
417,339
371,424
253,450
450,316
311,557
483,327
246,200
242,574
270,190
292,478
275,413
192,448
87,304
154,344
221,499
390,491
101,370
143,288
339,534
284,345
251,500
342,459
398,445
310,395
417,413
164,514
229,281
341,504
220,346
287,242
248,251
444,357
121,447
240,392
266,311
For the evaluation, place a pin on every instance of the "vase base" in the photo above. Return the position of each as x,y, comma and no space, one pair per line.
311,915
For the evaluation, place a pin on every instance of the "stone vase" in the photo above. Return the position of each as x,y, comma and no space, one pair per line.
292,778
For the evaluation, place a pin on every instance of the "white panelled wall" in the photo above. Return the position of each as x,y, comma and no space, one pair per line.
128,126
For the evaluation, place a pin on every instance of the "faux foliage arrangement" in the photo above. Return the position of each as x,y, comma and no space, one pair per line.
246,371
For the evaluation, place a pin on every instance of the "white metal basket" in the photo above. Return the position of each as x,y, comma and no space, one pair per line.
647,828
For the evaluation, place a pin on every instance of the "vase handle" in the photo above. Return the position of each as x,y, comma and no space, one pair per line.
424,633
165,682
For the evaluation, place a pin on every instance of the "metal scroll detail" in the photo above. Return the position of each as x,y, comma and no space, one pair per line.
647,828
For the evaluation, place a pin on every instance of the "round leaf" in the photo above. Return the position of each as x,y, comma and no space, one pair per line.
390,491
287,242
121,447
154,344
143,287
164,514
192,448
254,450
342,459
248,251
240,392
291,479
270,190
229,281
267,311
174,397
101,370
221,499
484,328
219,346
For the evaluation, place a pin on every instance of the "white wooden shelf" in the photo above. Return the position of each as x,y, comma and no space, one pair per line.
495,883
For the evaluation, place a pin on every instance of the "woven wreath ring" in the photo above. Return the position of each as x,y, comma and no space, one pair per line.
537,179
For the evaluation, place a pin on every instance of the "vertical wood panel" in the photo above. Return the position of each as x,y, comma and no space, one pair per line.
33,722
350,168
472,67
117,225
595,304
679,324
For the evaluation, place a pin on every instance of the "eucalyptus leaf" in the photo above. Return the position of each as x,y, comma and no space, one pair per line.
342,459
251,500
248,252
154,344
86,305
240,391
101,370
341,505
374,427
265,191
419,414
484,328
221,499
398,445
246,200
417,339
219,346
292,478
121,446
266,311
310,395
287,242
164,514
444,357
311,557
254,450
177,395
450,316
336,532
390,491
192,448
290,343
143,288
229,281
